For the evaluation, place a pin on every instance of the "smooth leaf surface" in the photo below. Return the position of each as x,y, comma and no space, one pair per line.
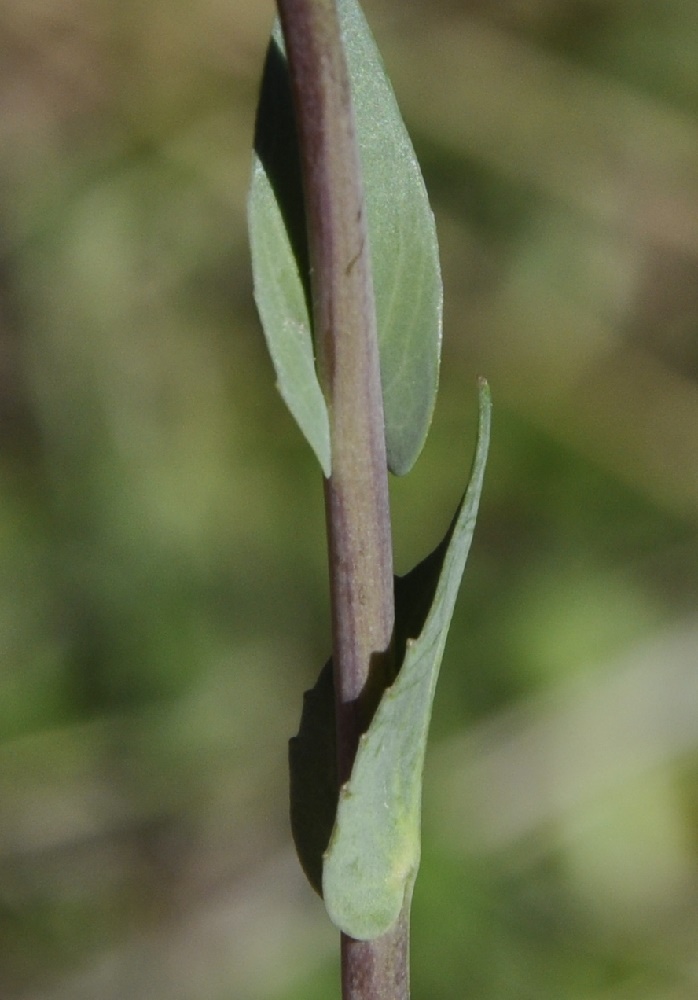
279,250
373,855
402,237
404,250
312,752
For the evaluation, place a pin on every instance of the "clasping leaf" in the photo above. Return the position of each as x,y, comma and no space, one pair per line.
402,237
373,855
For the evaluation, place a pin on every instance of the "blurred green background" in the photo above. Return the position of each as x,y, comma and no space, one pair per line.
162,574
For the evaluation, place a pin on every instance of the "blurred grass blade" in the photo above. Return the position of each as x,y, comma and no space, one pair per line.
404,251
373,855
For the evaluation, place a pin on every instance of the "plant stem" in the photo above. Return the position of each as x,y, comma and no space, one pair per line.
356,494
378,969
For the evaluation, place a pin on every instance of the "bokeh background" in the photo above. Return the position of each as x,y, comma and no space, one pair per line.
162,571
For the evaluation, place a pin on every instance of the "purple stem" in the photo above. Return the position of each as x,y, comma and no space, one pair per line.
356,494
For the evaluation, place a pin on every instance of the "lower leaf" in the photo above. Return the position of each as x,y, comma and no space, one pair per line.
373,855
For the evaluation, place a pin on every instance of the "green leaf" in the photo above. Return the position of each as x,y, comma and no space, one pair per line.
373,855
312,752
404,249
402,237
279,249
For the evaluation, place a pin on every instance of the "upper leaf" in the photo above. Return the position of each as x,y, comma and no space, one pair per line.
402,238
404,249
279,249
373,855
